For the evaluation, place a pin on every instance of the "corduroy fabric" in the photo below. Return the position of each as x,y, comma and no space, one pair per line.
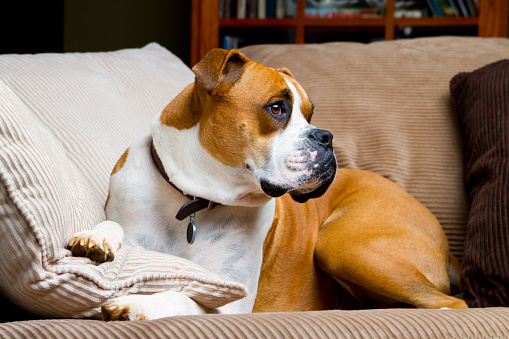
65,119
476,323
403,323
482,104
388,107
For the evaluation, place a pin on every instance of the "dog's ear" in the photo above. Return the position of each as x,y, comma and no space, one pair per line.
286,71
219,70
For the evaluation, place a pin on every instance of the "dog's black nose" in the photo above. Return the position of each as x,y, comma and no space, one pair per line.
320,137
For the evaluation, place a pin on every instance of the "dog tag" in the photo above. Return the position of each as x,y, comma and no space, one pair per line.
191,231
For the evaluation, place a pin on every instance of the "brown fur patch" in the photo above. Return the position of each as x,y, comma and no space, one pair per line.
118,166
365,231
181,113
289,248
120,163
241,117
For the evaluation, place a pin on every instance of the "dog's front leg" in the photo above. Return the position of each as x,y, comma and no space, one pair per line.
100,243
149,307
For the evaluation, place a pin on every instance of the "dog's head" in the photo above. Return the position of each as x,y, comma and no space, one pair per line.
256,119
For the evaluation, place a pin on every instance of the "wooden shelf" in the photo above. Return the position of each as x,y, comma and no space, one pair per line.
314,22
344,22
271,22
434,21
350,22
206,24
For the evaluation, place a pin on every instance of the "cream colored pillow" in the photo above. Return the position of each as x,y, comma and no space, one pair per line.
64,121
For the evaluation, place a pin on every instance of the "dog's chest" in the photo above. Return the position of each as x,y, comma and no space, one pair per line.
169,235
228,239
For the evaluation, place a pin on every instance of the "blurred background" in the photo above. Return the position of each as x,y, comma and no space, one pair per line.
189,28
94,25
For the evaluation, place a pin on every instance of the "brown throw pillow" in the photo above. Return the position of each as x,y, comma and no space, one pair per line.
481,98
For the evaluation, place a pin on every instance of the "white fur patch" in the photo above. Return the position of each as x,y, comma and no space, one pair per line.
290,156
192,169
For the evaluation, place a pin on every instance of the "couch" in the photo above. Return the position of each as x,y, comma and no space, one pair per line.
431,114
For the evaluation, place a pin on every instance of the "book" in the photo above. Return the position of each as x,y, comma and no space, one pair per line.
241,9
472,6
233,9
435,8
280,8
448,7
251,9
410,13
257,9
271,8
262,9
344,12
412,9
230,42
291,8
462,8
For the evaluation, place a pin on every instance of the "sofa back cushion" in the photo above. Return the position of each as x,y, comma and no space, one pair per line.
389,109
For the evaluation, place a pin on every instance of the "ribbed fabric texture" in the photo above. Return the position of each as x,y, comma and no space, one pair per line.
393,324
388,107
482,104
65,119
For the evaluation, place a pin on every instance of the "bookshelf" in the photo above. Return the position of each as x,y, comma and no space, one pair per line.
208,28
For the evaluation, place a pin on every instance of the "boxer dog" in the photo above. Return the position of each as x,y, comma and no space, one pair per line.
203,184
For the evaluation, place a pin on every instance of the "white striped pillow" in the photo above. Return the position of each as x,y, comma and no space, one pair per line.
64,121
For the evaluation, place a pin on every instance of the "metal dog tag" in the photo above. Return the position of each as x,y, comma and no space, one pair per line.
191,231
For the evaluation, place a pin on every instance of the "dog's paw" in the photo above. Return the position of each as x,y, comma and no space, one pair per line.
91,245
151,306
123,309
99,244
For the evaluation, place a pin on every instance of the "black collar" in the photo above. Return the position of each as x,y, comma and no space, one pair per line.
196,204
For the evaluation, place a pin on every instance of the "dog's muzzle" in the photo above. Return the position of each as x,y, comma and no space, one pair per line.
321,169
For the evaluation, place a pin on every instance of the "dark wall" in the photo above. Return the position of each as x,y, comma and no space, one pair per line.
98,25
31,26
94,25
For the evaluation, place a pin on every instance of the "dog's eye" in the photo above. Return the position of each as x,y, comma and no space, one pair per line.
277,109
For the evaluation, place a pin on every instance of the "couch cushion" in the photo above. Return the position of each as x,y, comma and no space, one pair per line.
365,324
65,120
482,104
388,106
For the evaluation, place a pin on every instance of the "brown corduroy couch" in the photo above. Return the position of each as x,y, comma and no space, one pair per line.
390,109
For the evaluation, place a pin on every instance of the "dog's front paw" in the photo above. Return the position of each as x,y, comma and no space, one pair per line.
123,309
99,244
91,245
